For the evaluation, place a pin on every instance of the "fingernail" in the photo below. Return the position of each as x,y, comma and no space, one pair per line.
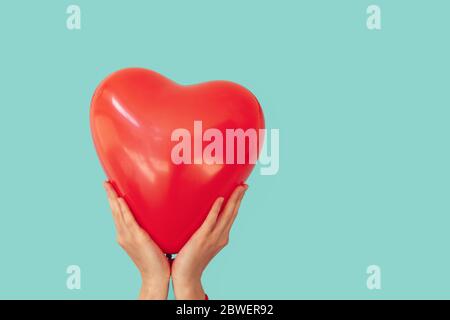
245,186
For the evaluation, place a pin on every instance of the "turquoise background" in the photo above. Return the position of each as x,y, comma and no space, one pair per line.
363,117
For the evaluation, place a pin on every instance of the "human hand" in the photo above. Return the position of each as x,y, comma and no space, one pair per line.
206,242
146,255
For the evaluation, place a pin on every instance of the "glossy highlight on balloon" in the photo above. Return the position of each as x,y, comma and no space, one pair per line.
133,115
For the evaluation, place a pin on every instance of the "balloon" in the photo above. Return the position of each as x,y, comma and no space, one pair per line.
138,120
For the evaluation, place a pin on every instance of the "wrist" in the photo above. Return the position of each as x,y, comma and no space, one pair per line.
154,290
188,289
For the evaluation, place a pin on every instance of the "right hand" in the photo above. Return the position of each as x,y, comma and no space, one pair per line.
146,255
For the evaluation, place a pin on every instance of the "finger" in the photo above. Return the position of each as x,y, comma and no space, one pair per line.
132,225
236,210
211,218
110,190
228,211
114,205
128,217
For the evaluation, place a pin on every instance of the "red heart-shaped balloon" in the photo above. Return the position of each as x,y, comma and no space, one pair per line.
134,113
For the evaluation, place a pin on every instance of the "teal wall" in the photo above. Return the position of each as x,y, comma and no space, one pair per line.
364,159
